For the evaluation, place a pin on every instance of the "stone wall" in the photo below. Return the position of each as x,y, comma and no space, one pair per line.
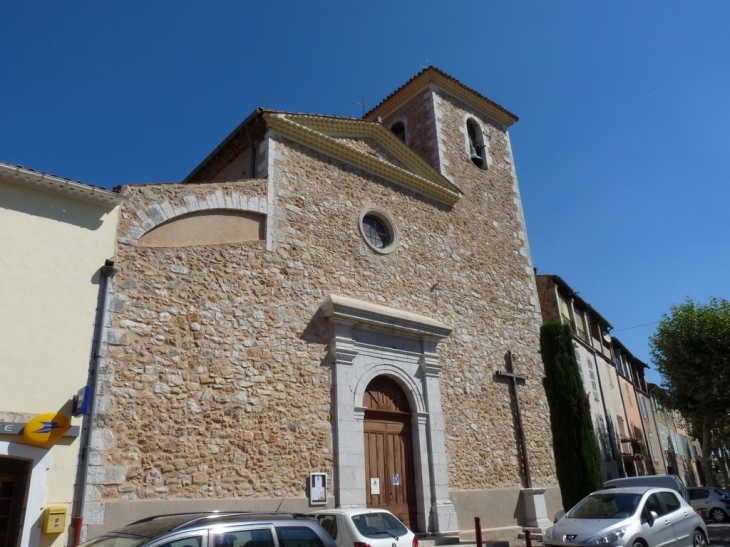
217,384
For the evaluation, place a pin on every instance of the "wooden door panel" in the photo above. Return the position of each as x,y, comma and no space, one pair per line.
388,451
375,466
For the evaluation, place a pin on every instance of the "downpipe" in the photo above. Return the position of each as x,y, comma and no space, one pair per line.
107,271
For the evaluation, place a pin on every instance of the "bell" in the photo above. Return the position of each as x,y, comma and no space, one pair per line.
476,158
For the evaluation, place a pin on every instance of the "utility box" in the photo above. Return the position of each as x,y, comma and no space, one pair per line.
54,519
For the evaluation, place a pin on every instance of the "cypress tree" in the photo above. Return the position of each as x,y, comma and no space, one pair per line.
577,456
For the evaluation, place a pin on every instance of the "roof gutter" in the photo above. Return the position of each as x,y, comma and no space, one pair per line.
15,174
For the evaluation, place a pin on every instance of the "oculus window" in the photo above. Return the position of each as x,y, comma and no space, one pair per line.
378,230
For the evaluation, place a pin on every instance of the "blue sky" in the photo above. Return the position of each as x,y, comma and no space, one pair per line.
622,148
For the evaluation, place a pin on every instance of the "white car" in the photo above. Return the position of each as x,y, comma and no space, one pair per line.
365,527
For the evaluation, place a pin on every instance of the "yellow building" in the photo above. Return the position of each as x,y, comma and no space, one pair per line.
56,236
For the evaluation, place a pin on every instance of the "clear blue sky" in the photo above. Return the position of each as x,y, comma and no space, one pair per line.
622,147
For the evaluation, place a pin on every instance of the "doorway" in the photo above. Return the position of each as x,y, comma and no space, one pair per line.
389,467
13,484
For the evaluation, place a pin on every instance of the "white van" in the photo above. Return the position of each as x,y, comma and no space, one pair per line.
672,482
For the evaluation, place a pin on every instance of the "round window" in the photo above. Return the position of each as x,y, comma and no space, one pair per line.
378,230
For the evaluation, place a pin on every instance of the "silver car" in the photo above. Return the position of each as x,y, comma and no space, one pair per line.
629,517
712,502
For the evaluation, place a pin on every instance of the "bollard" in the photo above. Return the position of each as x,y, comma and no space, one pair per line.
528,539
478,530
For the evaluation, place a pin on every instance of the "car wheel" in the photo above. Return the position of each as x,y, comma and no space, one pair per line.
699,539
639,544
718,515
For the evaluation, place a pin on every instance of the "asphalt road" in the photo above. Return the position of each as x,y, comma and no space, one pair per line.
719,534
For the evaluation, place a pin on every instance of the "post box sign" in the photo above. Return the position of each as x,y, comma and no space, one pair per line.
46,428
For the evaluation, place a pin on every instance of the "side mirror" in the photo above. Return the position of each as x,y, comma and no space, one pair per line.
650,517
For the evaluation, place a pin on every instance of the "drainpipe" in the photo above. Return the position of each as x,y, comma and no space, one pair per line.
107,271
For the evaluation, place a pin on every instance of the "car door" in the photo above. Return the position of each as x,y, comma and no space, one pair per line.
699,498
659,532
328,521
679,515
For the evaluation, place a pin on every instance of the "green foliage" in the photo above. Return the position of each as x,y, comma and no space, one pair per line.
691,350
577,456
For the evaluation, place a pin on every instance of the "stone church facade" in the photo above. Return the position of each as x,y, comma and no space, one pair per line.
333,295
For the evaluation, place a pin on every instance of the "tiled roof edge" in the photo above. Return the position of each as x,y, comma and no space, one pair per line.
17,174
448,83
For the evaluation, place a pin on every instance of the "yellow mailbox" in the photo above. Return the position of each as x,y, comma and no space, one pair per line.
54,521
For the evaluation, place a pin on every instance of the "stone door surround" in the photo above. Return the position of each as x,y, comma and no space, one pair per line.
371,340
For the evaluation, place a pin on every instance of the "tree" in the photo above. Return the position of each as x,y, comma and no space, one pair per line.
577,457
691,350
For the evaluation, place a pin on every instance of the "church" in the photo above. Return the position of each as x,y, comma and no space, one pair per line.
326,312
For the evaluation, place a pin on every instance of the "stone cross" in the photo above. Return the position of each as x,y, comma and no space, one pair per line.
514,381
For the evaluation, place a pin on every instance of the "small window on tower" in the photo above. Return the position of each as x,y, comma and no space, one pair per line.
477,147
399,129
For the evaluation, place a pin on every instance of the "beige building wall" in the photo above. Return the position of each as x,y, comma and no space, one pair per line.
50,254
614,409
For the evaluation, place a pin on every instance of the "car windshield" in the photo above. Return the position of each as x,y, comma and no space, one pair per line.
114,541
379,525
722,493
605,506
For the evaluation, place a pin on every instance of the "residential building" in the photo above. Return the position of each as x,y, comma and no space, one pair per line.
592,344
57,236
681,452
639,443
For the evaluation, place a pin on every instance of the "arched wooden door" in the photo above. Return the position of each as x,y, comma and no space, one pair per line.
389,473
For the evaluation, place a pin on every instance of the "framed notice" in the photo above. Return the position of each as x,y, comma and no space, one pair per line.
318,489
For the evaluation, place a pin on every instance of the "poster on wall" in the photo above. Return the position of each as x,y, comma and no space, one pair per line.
318,489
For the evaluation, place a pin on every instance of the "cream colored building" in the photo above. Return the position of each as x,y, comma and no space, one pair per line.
56,234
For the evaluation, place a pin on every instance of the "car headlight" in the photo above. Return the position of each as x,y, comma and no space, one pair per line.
611,537
549,533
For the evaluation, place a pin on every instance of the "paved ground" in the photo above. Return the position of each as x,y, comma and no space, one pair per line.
719,537
719,534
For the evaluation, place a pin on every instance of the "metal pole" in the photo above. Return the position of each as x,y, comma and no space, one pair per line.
478,530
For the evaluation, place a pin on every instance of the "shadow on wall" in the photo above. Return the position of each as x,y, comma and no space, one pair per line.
52,206
318,330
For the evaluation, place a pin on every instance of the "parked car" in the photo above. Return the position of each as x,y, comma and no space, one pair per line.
657,481
630,517
672,482
365,528
219,529
713,502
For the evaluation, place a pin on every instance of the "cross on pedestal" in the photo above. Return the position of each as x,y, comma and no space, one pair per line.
514,380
